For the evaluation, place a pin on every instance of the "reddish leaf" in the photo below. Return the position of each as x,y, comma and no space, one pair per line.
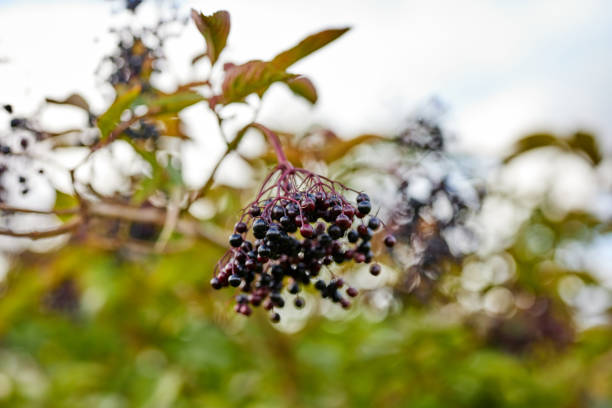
215,30
307,46
303,87
252,77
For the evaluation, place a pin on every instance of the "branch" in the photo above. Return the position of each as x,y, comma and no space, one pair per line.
155,216
172,216
122,127
275,142
60,230
9,209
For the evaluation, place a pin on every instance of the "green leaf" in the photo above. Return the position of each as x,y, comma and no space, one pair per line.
534,141
586,143
74,100
109,119
581,143
303,87
251,77
306,47
176,102
215,30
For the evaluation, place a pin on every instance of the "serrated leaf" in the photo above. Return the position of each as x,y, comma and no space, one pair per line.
174,103
251,77
74,100
215,30
306,47
109,119
303,87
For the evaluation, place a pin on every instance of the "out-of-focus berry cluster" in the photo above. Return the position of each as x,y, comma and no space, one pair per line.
299,224
15,161
436,198
133,61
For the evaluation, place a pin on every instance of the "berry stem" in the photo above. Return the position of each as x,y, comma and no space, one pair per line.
276,145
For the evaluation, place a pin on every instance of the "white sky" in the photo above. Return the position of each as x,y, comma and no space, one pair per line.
503,68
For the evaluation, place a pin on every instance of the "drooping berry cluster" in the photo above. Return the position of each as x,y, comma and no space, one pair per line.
299,224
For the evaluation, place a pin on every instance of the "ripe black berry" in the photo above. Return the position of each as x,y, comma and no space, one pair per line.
375,269
240,228
389,241
234,280
275,317
364,207
294,288
5,149
299,302
334,231
320,285
374,223
235,240
264,251
260,227
352,292
214,282
277,212
352,236
362,197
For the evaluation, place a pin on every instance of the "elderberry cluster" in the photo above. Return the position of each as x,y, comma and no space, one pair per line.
433,206
15,161
133,62
143,130
299,224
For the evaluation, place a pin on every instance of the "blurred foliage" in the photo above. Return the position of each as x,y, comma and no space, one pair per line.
108,320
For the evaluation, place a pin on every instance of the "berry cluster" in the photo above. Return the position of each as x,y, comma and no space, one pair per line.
300,223
143,130
133,62
427,216
14,154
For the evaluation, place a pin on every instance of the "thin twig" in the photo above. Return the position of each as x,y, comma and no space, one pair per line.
9,209
172,216
60,230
